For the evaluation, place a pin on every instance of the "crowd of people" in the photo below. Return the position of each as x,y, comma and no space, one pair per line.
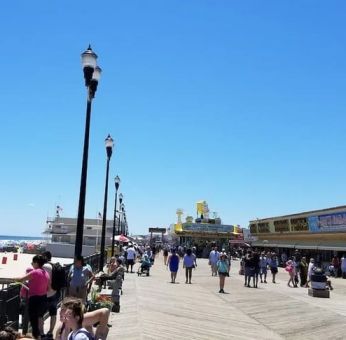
40,294
255,265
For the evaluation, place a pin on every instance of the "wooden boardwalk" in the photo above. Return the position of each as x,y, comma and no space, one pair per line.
153,308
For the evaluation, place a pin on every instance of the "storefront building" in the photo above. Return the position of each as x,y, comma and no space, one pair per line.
202,232
316,233
204,235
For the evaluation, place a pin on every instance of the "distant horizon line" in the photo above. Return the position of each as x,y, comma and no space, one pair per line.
22,236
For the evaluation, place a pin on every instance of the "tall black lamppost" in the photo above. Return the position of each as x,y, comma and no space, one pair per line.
92,75
120,205
109,149
117,183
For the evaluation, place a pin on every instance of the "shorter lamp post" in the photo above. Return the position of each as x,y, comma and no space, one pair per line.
125,225
120,205
109,150
122,218
117,183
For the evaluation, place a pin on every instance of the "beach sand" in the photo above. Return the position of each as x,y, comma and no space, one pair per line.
13,269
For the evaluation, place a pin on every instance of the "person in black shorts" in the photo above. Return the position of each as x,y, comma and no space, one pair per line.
165,256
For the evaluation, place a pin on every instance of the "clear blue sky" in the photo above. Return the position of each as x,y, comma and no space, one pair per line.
240,103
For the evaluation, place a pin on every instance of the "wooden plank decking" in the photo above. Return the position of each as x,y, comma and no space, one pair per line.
153,308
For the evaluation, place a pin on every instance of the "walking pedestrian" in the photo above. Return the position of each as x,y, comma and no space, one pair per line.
274,266
256,268
214,257
263,262
291,270
343,266
247,268
223,270
130,257
310,270
173,264
336,264
165,256
296,259
303,272
189,263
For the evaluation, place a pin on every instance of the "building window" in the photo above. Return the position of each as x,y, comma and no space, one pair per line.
263,227
281,225
299,224
253,228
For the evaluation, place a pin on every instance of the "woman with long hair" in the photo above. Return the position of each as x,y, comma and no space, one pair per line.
72,314
189,263
223,270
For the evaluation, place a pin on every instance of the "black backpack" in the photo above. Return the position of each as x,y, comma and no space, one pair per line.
58,277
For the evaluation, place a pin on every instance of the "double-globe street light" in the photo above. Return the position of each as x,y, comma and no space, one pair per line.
92,74
109,150
117,183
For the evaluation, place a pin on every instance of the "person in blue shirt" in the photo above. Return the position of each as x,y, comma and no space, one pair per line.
189,263
173,264
223,270
79,278
273,264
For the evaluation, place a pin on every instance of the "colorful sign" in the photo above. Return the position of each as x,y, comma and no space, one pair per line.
211,228
202,209
327,223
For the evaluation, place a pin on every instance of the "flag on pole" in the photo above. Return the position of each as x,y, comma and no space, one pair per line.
99,215
57,211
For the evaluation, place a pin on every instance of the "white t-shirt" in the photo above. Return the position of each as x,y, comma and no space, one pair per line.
48,268
310,267
131,254
343,263
79,334
214,256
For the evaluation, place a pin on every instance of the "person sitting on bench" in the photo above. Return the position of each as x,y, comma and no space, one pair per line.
119,270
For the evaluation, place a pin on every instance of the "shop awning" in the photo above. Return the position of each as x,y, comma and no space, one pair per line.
306,246
331,247
301,245
263,244
285,245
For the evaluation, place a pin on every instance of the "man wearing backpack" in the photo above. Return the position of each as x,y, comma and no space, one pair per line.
52,295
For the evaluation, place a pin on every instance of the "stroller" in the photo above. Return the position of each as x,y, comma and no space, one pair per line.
144,268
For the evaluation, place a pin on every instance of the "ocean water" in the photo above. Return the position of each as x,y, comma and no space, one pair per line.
20,238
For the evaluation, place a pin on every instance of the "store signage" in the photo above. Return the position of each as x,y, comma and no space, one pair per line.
211,228
326,223
248,237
